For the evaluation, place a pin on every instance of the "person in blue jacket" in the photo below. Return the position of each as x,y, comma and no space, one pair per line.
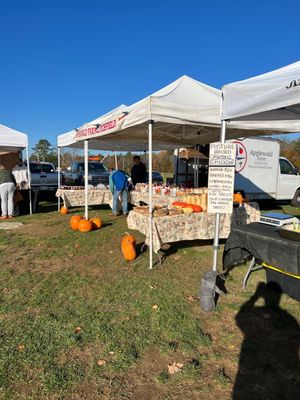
118,184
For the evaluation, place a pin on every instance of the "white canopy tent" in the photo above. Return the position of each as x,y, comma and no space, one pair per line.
273,97
182,114
14,141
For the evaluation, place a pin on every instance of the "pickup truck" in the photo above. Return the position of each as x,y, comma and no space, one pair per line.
98,173
43,176
44,183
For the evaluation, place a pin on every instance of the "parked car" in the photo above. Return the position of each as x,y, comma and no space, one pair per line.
98,173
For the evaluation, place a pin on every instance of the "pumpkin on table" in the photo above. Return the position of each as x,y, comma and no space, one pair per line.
237,198
74,222
179,204
128,247
196,208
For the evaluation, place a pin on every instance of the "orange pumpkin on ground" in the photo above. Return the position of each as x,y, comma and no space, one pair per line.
237,197
128,247
96,222
85,225
74,221
64,210
196,208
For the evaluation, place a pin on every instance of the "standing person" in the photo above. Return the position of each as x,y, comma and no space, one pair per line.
7,189
138,171
118,184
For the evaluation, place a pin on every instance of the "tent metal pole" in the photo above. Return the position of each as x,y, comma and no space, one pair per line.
177,166
194,169
197,175
150,132
58,175
29,181
116,160
217,217
86,178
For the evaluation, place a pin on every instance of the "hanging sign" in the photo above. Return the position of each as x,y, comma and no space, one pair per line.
100,129
221,177
222,154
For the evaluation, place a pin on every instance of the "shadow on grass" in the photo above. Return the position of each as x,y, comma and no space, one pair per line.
269,360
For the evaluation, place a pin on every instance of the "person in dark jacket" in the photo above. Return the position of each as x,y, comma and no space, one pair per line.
7,190
118,184
138,171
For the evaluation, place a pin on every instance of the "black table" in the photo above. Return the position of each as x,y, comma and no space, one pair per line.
267,249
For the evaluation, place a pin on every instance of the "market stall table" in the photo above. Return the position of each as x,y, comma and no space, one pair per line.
75,197
177,228
279,256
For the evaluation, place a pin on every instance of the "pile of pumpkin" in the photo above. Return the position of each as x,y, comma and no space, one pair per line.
78,223
186,207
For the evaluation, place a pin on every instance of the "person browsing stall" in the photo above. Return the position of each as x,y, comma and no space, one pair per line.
7,190
119,185
138,171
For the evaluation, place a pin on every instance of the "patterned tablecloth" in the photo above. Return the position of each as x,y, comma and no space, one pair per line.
75,198
191,227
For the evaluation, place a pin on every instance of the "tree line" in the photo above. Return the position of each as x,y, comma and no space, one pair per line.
162,160
44,151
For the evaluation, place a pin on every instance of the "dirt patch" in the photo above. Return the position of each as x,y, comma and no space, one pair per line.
85,355
142,377
38,230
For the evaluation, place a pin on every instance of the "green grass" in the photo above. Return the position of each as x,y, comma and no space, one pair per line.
53,280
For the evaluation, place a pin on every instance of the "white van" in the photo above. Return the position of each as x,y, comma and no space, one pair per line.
262,174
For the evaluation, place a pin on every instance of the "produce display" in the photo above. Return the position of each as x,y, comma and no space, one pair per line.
178,207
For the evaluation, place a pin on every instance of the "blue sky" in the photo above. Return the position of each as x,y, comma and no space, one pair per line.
65,62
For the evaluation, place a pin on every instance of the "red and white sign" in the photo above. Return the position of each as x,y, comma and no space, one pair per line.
87,132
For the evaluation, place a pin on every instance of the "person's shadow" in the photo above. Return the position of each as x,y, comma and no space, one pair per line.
269,359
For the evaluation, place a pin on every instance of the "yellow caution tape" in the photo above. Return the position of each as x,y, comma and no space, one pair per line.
281,271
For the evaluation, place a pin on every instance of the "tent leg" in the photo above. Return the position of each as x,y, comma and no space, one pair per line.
197,174
177,166
116,160
194,169
150,132
217,217
29,181
58,176
86,178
